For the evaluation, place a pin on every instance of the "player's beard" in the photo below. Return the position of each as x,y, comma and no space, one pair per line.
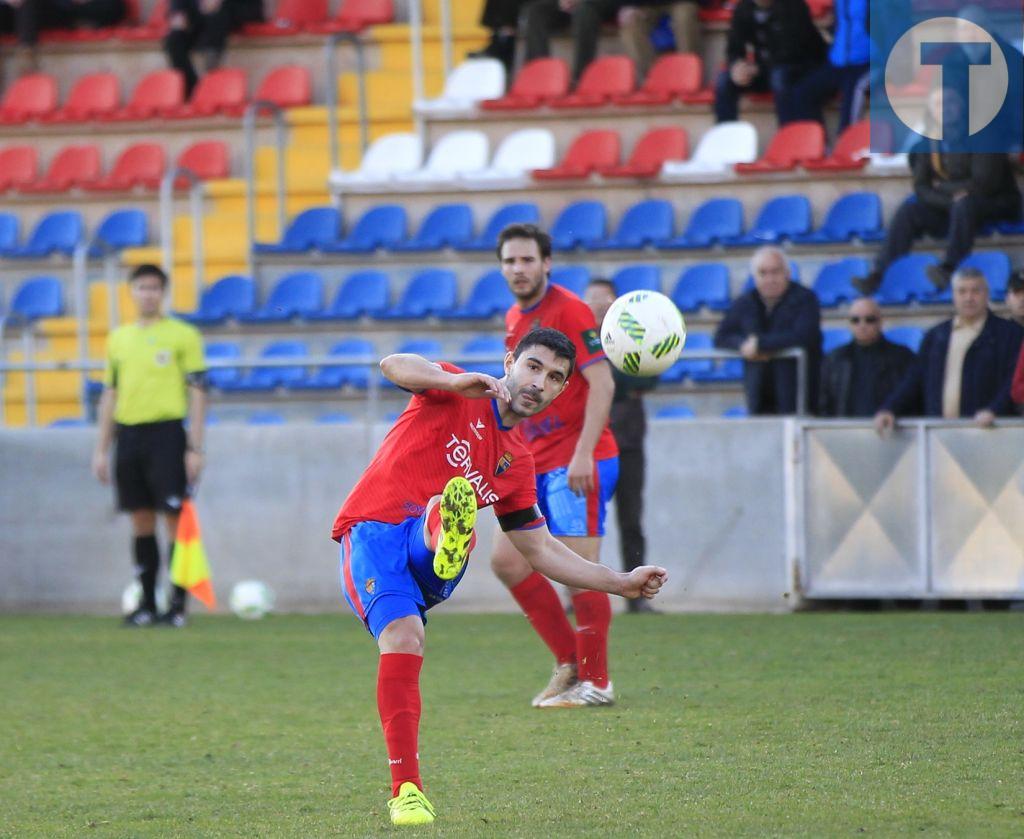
534,287
524,408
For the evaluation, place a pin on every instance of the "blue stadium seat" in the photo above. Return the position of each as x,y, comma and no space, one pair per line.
222,377
706,284
230,297
832,285
296,295
332,378
58,232
519,213
832,338
716,220
263,379
489,297
579,225
69,422
637,277
995,265
484,345
10,230
643,224
782,217
908,336
334,418
38,297
445,226
265,418
676,411
905,281
128,228
362,294
857,215
426,347
379,227
310,230
691,368
430,292
735,412
573,278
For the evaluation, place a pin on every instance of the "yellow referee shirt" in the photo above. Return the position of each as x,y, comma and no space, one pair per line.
148,366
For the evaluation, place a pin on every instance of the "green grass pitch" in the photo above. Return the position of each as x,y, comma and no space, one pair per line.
810,724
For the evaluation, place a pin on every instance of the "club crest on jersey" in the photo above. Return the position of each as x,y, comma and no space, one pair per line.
503,464
371,584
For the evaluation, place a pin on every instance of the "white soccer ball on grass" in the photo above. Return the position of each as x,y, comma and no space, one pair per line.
251,599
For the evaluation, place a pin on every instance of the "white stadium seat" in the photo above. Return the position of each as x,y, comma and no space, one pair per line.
388,156
472,81
721,147
519,154
454,153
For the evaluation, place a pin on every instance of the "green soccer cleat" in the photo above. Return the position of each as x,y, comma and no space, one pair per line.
410,806
458,515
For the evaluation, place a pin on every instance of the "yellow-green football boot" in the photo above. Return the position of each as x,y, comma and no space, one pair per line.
458,516
410,806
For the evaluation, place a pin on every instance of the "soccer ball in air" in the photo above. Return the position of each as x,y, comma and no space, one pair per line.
251,599
643,333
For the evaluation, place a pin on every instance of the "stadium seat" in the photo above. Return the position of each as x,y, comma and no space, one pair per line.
793,144
92,97
537,83
833,338
140,165
782,217
518,155
673,76
851,150
516,213
445,226
289,86
58,232
904,280
154,28
642,225
735,412
995,265
38,297
156,94
489,297
602,79
720,148
832,285
221,91
650,153
483,345
909,336
69,422
331,377
265,379
19,165
265,418
310,230
455,154
127,228
333,418
206,159
388,156
474,80
430,292
28,98
296,295
589,153
637,278
230,297
715,221
222,377
289,18
362,294
857,215
10,231
676,411
73,167
572,278
579,225
383,226
705,284
355,15
691,368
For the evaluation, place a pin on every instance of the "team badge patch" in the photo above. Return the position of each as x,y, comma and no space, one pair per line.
162,358
371,584
591,340
503,464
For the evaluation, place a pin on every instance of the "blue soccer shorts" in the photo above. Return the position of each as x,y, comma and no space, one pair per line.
569,514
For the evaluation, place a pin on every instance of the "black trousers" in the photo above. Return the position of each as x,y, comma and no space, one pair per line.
501,14
32,16
543,16
206,32
629,425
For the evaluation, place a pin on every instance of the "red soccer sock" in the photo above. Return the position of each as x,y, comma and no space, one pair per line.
539,601
593,619
434,528
398,701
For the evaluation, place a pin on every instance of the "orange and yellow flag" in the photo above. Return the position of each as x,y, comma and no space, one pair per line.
189,568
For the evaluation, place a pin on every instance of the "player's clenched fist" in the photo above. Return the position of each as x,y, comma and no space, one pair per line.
644,581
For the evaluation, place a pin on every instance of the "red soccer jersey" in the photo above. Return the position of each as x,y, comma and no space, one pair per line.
438,436
551,435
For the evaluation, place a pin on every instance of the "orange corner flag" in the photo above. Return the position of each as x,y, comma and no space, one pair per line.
189,568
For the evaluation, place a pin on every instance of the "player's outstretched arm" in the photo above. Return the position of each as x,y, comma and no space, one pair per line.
414,373
553,559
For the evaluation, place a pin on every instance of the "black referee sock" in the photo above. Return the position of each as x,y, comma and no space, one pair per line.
178,594
147,564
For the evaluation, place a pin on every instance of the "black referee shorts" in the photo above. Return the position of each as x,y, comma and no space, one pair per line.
149,466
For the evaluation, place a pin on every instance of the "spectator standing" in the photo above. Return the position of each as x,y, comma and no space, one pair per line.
204,25
638,19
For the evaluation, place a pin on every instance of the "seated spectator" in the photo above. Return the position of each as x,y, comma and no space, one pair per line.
639,19
954,194
27,18
1017,385
585,17
857,377
502,18
1015,298
204,25
777,314
965,365
772,45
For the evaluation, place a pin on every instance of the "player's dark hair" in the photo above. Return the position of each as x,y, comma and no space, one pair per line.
148,269
525,231
603,282
554,340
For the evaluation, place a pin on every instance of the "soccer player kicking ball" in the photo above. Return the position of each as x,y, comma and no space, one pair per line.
404,546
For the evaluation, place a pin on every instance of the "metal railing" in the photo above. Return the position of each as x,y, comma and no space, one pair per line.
332,94
195,197
252,111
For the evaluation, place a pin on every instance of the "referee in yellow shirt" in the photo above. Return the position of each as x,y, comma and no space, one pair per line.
155,375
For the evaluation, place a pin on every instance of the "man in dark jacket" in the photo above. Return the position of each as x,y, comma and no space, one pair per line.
857,377
772,44
965,365
777,314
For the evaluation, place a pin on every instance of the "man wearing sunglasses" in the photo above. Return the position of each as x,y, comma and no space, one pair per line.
857,377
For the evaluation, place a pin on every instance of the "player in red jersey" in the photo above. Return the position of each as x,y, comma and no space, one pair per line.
404,546
577,467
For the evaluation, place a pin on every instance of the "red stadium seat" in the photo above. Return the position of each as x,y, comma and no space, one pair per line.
850,152
290,17
793,145
612,75
30,97
220,91
206,159
153,29
673,76
155,95
92,97
589,153
650,151
139,165
355,16
286,87
18,165
538,82
72,167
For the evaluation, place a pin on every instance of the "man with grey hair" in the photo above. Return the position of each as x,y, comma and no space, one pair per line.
965,365
776,314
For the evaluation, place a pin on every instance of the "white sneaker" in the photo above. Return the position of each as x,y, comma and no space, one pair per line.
581,695
563,678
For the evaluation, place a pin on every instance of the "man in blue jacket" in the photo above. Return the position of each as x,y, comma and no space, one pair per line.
965,365
777,314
